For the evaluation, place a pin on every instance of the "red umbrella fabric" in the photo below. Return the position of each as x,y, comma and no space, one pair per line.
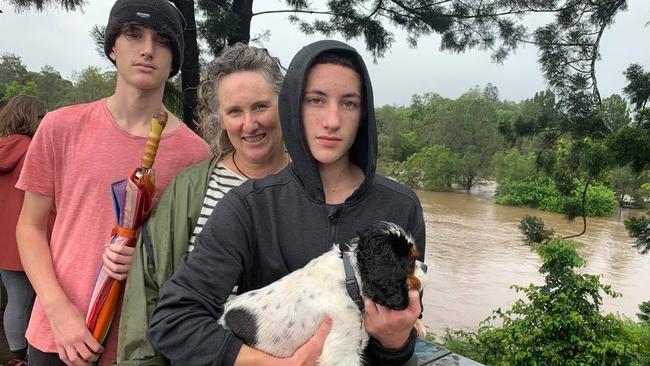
133,199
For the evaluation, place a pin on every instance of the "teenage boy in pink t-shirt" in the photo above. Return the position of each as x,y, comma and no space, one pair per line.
76,154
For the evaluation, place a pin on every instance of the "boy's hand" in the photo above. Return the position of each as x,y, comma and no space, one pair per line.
117,261
306,355
75,344
392,328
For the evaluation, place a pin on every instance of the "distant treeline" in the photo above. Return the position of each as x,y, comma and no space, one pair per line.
435,143
91,83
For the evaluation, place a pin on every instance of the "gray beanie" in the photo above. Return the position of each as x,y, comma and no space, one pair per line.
158,14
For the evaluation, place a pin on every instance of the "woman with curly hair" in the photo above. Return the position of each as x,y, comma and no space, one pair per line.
238,117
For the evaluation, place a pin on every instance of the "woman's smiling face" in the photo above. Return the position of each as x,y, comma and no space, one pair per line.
249,114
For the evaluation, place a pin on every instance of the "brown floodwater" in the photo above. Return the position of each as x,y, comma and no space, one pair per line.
475,252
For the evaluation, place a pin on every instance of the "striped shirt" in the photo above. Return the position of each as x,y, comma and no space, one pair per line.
221,181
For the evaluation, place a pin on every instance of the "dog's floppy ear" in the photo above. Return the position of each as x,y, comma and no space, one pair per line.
385,260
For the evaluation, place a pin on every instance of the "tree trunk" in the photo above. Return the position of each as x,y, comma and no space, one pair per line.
190,71
244,11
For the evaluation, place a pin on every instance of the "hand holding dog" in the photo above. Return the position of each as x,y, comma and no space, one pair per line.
392,328
308,353
117,261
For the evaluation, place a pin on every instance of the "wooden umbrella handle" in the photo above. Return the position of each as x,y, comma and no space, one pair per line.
158,123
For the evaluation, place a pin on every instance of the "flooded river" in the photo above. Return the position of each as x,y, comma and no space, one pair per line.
475,253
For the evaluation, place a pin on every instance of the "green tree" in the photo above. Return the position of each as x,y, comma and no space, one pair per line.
14,88
513,165
92,84
631,145
639,228
644,314
615,113
638,89
432,168
568,50
53,88
426,112
398,140
535,230
558,323
12,70
469,129
638,92
627,185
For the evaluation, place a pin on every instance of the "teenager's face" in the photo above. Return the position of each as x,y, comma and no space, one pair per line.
143,57
249,114
331,112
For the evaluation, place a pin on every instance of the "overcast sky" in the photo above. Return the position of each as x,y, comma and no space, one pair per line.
61,40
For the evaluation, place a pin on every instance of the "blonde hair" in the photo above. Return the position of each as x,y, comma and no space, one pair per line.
236,58
21,116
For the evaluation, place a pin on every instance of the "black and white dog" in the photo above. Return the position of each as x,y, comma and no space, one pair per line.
277,319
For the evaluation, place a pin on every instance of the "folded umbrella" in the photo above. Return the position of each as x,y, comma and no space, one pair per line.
133,200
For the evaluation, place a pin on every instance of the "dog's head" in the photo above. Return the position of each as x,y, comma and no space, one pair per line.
386,257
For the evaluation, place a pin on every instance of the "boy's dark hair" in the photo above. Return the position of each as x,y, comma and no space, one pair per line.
341,58
160,15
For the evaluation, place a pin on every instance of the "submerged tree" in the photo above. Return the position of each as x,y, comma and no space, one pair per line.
631,144
569,48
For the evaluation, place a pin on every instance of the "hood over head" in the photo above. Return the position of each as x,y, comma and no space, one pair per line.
363,152
12,149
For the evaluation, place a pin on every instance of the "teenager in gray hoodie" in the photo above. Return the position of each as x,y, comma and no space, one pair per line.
267,228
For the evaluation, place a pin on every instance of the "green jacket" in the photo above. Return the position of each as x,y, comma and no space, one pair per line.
169,229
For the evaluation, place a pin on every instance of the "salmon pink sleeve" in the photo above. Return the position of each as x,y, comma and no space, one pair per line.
37,174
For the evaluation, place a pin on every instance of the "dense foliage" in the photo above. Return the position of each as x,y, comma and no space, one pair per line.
639,228
534,230
557,323
631,145
644,314
91,83
542,194
438,144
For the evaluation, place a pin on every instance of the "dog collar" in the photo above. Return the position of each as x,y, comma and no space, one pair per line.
351,284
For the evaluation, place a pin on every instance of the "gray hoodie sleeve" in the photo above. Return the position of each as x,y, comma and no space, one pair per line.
184,325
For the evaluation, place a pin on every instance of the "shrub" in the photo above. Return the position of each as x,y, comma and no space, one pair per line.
534,230
558,323
513,165
639,229
463,343
433,168
644,314
540,193
639,333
